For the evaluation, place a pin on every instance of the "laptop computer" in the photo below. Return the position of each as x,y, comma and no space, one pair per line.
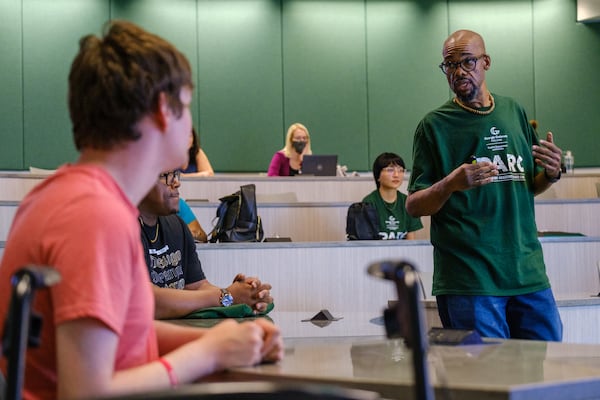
319,165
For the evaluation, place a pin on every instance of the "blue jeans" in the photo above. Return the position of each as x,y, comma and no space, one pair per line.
529,316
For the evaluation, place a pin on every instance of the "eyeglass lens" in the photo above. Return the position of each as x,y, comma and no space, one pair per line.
468,64
391,170
170,177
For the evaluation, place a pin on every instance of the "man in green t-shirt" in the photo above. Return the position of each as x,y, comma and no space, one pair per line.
477,166
394,221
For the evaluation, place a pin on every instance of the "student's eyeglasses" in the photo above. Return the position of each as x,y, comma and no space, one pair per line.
391,170
170,177
467,64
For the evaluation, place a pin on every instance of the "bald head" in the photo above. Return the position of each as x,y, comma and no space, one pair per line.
463,42
465,64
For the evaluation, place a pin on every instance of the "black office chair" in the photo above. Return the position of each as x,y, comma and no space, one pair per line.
23,327
2,386
406,319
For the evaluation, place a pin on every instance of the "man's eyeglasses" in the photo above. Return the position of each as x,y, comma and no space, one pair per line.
170,177
391,170
467,64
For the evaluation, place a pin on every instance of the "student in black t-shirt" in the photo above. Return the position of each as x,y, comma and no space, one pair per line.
173,263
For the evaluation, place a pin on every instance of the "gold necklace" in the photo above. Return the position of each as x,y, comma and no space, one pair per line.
474,111
155,234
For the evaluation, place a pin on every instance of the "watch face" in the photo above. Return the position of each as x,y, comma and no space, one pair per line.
226,300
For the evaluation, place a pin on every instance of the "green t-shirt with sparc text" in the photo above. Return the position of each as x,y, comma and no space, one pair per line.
485,239
394,221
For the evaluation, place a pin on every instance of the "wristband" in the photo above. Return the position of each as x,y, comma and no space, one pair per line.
172,377
552,180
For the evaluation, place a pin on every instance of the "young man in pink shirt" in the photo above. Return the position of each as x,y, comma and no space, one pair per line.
129,98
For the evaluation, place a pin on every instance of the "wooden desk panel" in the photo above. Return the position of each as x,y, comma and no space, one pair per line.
313,276
306,189
14,186
8,210
320,222
326,221
308,277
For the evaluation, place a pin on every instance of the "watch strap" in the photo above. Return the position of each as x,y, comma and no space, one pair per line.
550,179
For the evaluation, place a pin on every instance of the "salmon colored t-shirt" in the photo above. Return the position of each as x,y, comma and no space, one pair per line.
81,223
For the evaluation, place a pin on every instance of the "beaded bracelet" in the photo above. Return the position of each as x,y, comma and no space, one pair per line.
172,377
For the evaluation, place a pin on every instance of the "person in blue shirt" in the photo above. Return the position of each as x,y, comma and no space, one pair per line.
188,216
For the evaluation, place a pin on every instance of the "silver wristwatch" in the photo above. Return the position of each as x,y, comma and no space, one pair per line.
226,298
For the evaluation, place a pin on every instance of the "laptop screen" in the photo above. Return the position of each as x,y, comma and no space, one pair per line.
319,165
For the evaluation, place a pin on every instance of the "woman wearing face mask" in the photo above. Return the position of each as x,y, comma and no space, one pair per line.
288,161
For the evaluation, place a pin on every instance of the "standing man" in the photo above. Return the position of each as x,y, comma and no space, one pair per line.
173,263
129,100
477,166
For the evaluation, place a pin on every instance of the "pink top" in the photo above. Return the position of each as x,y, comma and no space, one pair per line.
80,222
280,165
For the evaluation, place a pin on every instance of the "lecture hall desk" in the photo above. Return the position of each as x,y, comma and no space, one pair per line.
353,352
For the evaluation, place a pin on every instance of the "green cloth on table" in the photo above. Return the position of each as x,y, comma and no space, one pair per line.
235,311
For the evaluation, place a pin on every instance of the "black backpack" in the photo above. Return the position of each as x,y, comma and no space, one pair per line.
362,222
237,219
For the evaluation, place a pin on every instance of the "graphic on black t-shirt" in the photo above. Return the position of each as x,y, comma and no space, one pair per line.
171,258
165,268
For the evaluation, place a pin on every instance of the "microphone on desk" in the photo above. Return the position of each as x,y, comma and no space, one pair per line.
406,318
403,319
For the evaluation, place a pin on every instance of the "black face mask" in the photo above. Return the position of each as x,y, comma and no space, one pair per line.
298,146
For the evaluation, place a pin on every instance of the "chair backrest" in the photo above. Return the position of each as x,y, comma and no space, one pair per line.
407,319
22,328
2,386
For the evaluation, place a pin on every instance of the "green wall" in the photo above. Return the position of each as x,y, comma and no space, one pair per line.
359,74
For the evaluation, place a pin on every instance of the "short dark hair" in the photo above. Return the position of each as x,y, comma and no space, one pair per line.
382,161
117,79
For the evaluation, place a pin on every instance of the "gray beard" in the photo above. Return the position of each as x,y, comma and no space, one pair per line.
469,96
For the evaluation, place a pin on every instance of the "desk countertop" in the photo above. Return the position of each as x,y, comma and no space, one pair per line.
512,369
353,352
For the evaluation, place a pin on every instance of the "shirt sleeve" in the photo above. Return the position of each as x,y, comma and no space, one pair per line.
277,165
422,175
185,212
